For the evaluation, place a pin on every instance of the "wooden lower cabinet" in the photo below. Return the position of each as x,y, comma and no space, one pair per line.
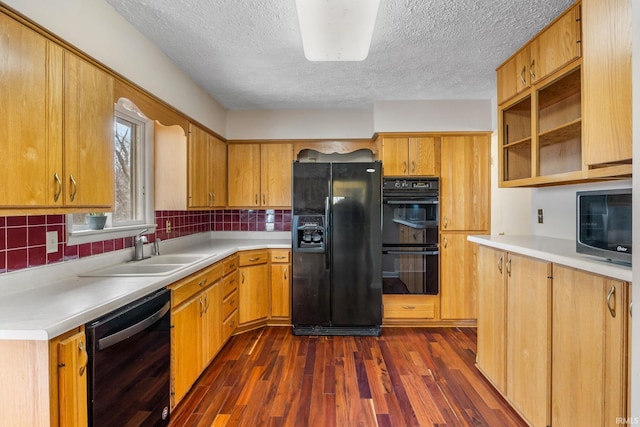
68,355
514,330
492,313
196,327
589,368
253,289
553,340
458,284
528,336
281,284
410,309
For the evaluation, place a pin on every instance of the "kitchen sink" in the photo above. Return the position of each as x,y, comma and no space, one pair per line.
160,265
131,269
171,259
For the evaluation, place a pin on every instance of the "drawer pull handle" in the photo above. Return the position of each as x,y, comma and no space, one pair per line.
232,281
233,266
285,274
202,282
232,302
254,259
242,278
508,265
280,257
232,323
85,358
500,264
409,307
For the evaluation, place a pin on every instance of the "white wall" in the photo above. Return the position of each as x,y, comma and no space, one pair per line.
433,115
510,207
299,124
96,29
559,207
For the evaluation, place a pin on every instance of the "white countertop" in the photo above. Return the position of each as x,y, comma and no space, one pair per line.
43,302
560,251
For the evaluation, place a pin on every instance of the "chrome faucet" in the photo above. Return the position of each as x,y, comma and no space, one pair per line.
139,241
156,246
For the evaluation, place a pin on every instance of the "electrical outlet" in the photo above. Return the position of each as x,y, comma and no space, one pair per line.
540,216
168,226
52,242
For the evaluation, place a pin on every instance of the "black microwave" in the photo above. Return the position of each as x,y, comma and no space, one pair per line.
603,224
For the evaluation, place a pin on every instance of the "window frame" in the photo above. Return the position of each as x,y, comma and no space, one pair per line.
80,233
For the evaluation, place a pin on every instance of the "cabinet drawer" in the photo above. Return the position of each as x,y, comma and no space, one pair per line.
191,285
229,326
229,264
409,310
252,257
280,255
230,284
229,304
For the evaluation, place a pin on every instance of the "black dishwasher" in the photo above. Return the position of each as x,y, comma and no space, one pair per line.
129,357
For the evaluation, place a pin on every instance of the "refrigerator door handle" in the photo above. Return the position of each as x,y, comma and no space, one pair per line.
327,232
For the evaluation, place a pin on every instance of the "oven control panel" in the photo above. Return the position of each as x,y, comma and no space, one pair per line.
410,184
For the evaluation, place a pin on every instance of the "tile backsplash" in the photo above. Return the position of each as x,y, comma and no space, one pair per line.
23,238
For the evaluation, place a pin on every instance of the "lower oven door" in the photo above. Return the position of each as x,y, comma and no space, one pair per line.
410,270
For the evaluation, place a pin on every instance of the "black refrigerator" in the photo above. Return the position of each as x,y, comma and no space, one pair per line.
337,249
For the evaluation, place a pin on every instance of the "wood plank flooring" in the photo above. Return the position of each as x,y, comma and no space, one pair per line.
406,377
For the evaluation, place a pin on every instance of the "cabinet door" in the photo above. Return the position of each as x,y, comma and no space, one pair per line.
458,285
395,152
72,381
606,91
199,179
218,171
424,156
253,293
528,335
31,119
588,361
513,76
465,182
280,290
211,300
186,348
492,304
276,170
557,45
88,134
244,174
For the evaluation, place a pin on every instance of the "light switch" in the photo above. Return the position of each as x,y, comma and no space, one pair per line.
52,242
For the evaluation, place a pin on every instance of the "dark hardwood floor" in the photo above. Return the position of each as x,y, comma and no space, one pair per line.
406,377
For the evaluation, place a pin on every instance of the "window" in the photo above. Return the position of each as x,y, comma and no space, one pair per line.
133,172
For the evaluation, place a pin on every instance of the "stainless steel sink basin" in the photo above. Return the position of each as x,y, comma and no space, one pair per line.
133,269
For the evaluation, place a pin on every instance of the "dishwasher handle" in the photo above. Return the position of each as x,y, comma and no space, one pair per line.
132,330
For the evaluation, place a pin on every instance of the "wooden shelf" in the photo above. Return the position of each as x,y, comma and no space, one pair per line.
519,142
561,133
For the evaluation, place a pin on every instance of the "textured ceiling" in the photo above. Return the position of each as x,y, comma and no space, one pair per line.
247,54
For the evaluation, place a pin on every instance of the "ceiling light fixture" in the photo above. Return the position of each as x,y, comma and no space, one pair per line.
336,30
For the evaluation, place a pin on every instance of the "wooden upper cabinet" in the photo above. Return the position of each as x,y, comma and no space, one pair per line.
607,122
275,174
465,182
31,119
191,171
88,134
410,156
556,46
57,125
244,174
259,174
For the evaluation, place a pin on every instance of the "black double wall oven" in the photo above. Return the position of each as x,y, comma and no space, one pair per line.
410,235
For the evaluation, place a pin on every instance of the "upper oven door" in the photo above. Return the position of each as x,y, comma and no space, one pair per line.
419,215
